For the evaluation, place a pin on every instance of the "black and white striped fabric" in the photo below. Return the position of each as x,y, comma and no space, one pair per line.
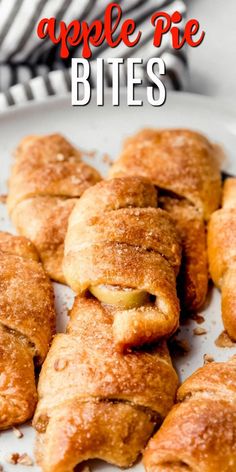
31,69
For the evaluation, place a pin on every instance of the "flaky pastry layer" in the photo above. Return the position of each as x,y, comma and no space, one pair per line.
47,178
117,237
184,166
198,435
27,323
95,402
222,254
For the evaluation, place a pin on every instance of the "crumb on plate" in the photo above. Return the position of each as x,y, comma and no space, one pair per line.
199,331
25,459
224,340
198,318
208,358
17,432
16,458
3,198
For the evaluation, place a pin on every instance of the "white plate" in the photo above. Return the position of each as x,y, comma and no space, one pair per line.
103,130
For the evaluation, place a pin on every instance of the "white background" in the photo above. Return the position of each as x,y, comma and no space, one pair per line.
213,63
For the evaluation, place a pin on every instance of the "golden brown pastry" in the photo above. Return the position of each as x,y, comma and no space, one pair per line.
199,433
95,402
222,254
127,253
193,277
184,166
47,178
27,322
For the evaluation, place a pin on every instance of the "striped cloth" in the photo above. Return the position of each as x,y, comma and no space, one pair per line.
31,68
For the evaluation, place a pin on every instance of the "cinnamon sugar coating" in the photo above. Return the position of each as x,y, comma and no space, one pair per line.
183,164
177,160
27,323
199,432
222,254
117,237
100,403
47,177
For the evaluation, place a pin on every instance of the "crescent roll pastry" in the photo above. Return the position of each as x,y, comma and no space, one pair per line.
184,166
127,253
222,254
193,277
27,322
198,435
47,178
95,402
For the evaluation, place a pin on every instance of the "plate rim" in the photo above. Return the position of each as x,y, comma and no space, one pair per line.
216,103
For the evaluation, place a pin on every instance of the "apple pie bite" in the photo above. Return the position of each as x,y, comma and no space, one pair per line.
47,178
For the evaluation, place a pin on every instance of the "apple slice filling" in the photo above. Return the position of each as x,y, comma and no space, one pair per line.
119,296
